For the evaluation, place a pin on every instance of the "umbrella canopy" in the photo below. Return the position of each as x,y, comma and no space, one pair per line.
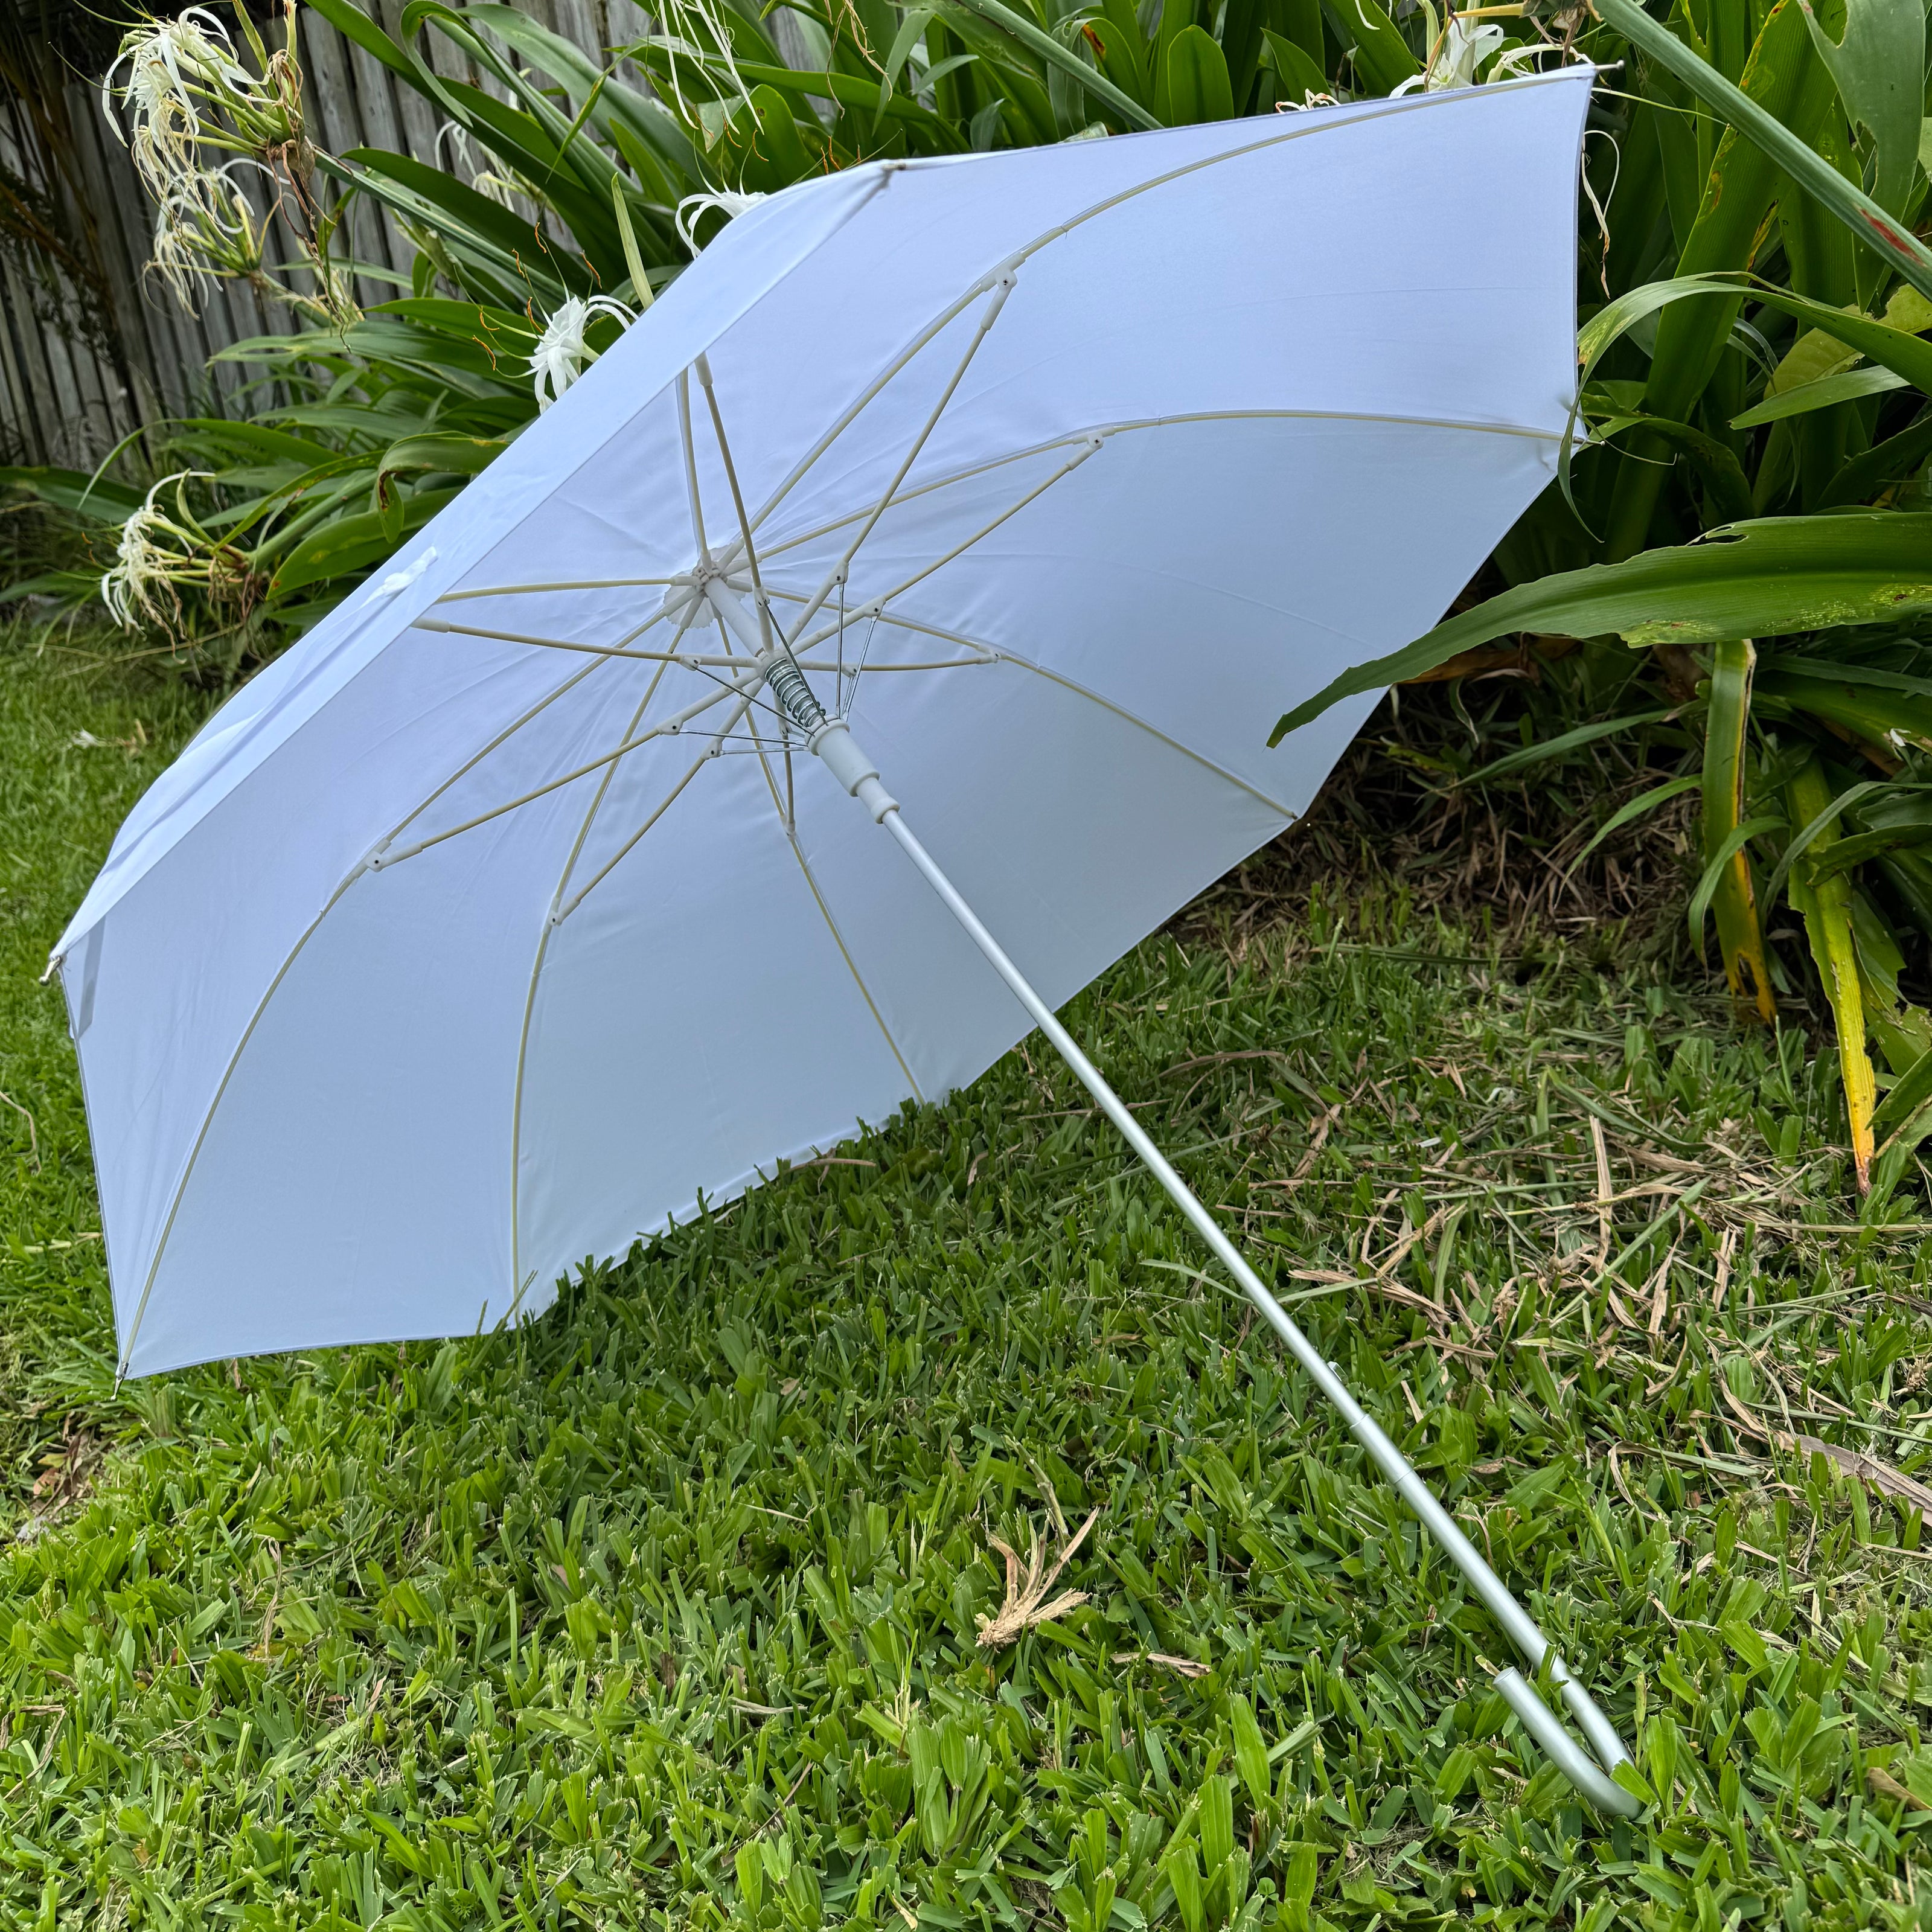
507,915
524,906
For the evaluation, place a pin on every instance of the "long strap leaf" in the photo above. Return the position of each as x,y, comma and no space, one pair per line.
1733,842
1765,579
1636,807
1810,170
1568,741
1821,823
1050,50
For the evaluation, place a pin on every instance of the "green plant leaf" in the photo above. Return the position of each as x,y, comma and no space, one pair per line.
1847,385
465,221
1826,909
1197,86
353,24
1900,350
1909,1096
74,490
1636,807
1864,476
1122,48
1865,218
912,30
1738,185
1217,1825
1759,580
1037,40
1382,58
1297,75
1824,814
352,544
1729,846
1726,737
1880,68
850,92
1714,464
1251,1758
1566,741
1855,848
1799,664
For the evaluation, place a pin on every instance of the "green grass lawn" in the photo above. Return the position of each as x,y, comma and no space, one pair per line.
664,1610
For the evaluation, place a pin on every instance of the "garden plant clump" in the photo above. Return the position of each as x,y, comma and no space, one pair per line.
727,1594
1742,511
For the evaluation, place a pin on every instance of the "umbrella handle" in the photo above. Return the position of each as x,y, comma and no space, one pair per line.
860,776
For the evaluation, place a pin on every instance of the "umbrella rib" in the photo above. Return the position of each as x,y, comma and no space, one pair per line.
981,468
703,365
1060,230
995,654
1121,711
527,589
851,966
669,728
867,396
964,475
691,464
766,627
694,658
706,663
1383,111
295,952
670,798
932,663
836,576
983,654
536,972
1108,430
787,820
875,606
214,1106
783,807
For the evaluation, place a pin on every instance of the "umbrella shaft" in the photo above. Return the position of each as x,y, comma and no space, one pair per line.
1520,1627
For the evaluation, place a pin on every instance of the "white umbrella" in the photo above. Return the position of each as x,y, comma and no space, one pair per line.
521,906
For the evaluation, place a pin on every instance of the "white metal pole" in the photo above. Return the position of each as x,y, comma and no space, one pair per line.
834,745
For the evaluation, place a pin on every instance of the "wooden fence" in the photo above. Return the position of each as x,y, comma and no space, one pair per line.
72,384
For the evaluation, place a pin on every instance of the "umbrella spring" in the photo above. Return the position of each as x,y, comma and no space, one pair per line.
794,696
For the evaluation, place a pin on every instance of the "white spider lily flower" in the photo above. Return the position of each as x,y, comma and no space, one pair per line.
1464,46
1518,61
206,229
156,552
174,68
691,210
695,29
501,189
561,354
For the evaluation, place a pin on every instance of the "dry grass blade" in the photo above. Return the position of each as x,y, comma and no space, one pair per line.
1873,1474
1604,1190
1182,1666
66,1476
1885,1786
1027,1603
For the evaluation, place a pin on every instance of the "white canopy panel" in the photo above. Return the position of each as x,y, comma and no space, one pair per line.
441,960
